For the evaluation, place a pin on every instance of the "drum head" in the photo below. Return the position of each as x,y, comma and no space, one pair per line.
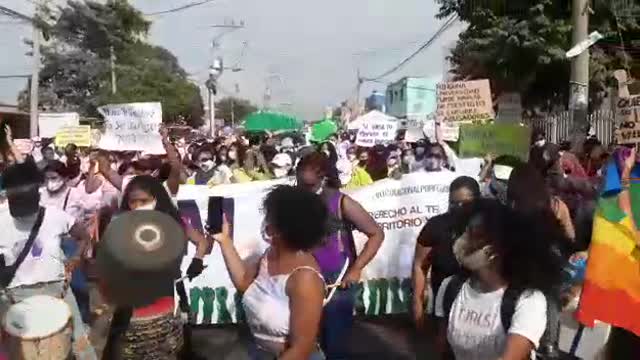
36,317
139,256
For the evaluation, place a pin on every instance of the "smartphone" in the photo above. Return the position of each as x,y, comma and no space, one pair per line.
214,214
190,214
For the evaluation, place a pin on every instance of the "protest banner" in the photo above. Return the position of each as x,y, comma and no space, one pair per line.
464,101
79,135
377,131
134,126
50,123
497,139
25,146
627,112
400,207
509,109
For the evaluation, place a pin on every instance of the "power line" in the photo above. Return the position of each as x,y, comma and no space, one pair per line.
180,8
424,46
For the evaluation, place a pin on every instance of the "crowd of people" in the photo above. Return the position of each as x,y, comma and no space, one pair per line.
489,275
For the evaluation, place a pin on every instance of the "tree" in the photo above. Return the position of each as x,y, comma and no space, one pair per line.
520,46
233,110
77,67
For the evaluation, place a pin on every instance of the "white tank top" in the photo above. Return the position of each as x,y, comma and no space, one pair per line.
266,304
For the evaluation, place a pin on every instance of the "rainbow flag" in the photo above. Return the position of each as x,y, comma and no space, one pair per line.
611,291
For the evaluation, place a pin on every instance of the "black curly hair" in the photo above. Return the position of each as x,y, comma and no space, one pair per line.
153,187
300,216
530,247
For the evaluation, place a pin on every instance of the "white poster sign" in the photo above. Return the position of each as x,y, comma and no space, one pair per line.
450,130
134,126
376,132
401,208
50,123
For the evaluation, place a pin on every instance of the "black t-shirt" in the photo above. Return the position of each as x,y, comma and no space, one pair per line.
439,234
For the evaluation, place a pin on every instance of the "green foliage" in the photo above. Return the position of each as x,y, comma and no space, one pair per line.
76,64
520,45
233,109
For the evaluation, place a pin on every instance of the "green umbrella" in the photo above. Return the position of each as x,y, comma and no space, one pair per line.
323,129
270,121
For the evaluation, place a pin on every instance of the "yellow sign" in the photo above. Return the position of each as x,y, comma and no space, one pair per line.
79,135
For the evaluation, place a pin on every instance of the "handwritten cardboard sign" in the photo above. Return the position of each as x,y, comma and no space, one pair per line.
134,126
628,120
79,135
497,139
464,101
376,132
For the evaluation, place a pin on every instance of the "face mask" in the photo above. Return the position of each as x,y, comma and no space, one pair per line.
474,261
419,151
55,185
351,157
540,143
24,204
206,166
327,153
223,159
432,164
232,155
147,206
408,159
392,163
280,172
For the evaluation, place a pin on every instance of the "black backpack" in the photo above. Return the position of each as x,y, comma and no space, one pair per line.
549,340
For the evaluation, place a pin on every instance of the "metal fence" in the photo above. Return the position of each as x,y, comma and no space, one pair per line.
558,127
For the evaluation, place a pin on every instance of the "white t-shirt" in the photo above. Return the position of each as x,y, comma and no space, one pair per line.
475,330
79,204
45,261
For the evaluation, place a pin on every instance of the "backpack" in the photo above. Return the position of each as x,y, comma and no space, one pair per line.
548,342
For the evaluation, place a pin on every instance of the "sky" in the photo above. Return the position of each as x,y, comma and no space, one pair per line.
308,52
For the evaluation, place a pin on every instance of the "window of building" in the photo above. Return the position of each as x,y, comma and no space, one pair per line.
402,94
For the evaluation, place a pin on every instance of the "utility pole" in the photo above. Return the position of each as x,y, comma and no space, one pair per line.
579,83
112,63
35,81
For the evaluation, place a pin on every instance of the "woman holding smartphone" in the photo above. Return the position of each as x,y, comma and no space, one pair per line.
283,293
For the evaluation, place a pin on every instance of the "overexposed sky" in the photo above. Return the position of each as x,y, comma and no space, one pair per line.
308,51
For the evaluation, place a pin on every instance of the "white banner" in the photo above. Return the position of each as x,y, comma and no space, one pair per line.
134,126
401,207
50,123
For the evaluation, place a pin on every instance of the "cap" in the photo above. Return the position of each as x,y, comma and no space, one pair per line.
282,160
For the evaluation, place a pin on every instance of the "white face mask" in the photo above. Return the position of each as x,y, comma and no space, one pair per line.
147,206
477,260
55,185
351,157
280,172
206,166
540,143
232,155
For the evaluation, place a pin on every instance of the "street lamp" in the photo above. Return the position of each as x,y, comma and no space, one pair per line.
215,71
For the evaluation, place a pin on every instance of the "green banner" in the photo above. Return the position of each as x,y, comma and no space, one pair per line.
496,139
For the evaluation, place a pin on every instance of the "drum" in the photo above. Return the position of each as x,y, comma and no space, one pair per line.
38,328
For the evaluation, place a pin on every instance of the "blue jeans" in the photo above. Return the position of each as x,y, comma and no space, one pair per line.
79,284
337,321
